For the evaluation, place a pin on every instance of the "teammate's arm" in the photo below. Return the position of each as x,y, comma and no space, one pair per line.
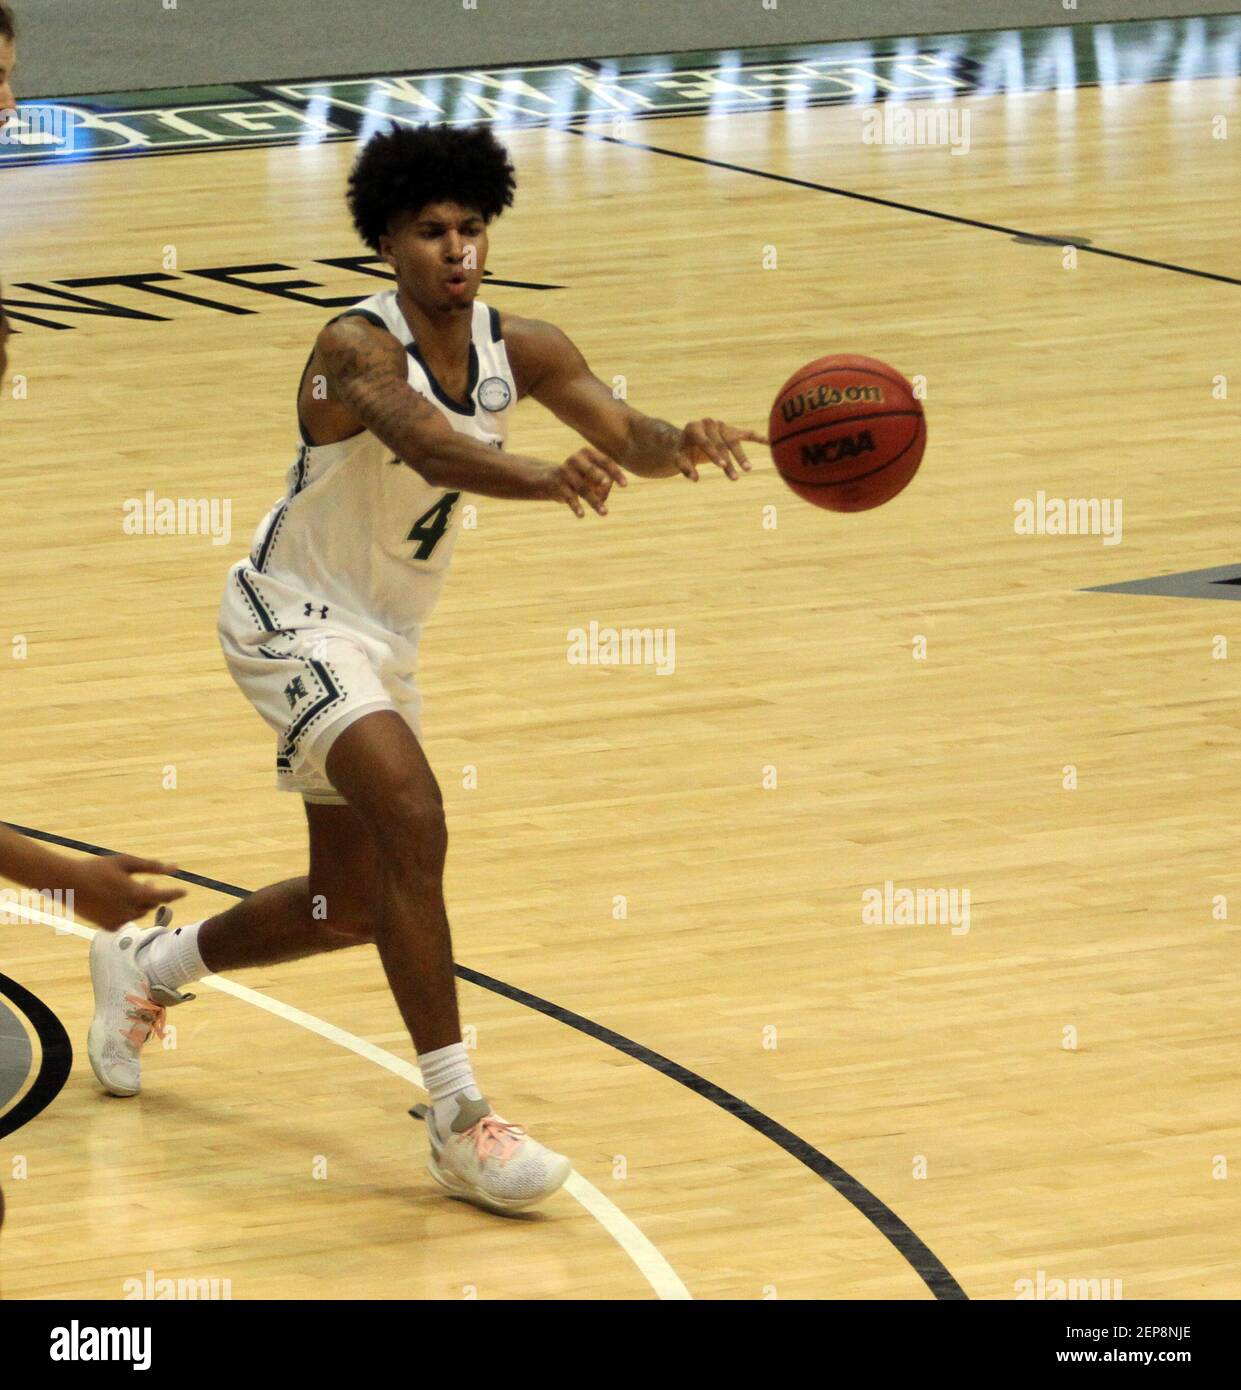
366,374
555,373
104,891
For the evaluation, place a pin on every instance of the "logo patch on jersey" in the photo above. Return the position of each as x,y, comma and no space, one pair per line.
494,393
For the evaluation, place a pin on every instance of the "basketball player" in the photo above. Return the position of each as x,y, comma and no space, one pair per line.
403,406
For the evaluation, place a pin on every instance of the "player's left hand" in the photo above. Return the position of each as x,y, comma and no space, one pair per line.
712,441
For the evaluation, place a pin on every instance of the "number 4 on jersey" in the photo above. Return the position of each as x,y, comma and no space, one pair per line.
431,525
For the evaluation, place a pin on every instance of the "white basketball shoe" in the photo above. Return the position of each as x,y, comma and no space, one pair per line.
128,1007
484,1159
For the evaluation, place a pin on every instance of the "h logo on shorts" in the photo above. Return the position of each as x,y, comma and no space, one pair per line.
295,691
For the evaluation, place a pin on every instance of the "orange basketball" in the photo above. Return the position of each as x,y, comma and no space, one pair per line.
847,432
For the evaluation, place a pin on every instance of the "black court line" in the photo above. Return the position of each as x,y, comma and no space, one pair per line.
898,206
929,1268
56,1062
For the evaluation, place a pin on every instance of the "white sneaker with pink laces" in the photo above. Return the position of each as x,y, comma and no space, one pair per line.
128,1007
490,1162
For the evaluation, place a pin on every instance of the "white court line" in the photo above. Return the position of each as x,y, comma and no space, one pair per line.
650,1261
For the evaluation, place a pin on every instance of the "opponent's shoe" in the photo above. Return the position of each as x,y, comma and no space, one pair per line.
128,1007
484,1159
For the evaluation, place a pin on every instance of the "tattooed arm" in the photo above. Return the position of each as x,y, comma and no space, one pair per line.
550,368
368,388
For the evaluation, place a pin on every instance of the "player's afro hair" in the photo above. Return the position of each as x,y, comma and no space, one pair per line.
405,168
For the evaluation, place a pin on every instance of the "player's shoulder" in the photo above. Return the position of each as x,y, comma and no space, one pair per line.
359,338
535,347
534,333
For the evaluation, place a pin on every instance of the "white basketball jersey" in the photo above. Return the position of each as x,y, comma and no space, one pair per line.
359,533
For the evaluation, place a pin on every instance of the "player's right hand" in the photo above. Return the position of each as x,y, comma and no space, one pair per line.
106,893
587,474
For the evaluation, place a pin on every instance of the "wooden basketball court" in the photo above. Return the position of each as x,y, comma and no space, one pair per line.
659,882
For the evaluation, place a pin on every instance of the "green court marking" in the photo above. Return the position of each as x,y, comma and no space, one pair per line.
620,90
161,96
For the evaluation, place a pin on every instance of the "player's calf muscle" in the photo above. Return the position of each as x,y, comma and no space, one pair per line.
339,936
341,916
345,921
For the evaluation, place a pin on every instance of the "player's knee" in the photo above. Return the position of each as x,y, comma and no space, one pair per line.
413,830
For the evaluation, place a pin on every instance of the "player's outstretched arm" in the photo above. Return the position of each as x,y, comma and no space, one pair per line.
366,374
104,890
552,370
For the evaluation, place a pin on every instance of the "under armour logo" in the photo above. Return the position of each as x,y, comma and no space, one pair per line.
295,691
309,609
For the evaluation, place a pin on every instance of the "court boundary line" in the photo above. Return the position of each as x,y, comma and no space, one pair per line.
897,206
916,1253
579,125
650,1261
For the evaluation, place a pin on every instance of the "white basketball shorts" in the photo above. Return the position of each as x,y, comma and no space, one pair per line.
310,682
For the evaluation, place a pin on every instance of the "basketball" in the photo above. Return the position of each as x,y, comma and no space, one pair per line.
847,432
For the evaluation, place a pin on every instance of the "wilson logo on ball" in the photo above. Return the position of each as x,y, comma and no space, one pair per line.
826,396
833,450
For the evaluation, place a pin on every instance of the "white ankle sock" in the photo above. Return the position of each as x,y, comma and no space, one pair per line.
448,1076
171,959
